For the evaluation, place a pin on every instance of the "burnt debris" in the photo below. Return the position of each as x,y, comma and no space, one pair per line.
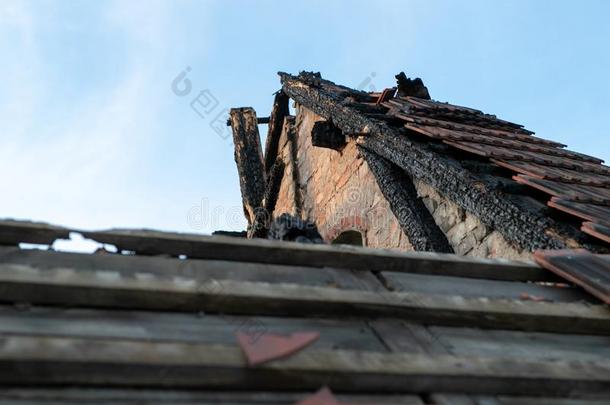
411,87
290,228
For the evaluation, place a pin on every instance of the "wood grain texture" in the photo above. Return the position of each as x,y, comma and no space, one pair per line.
471,287
356,258
109,396
94,362
67,286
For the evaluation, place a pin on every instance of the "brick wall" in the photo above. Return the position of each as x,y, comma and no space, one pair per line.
338,192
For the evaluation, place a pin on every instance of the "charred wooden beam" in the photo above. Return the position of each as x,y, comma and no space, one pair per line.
263,217
412,215
274,182
528,230
276,122
326,135
249,159
259,120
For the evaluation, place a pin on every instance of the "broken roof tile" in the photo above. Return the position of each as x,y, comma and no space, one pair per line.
266,347
590,271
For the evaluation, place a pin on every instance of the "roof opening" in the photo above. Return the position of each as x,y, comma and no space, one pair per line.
349,238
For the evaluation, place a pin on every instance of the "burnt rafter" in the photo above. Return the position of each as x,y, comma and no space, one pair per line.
412,215
262,217
527,229
276,122
249,160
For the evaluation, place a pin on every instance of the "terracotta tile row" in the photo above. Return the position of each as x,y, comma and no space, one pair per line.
576,183
555,173
589,212
574,192
502,141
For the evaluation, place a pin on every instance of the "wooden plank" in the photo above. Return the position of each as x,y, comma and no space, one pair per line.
590,271
472,287
52,361
504,400
457,399
528,345
278,252
13,232
101,396
179,327
164,268
401,336
67,286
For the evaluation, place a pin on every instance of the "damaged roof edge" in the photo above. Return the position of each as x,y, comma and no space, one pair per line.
527,229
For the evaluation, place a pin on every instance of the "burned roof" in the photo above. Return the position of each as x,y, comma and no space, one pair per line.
536,192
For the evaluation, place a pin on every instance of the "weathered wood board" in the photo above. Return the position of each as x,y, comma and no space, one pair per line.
472,287
60,396
13,232
53,360
68,286
289,253
167,268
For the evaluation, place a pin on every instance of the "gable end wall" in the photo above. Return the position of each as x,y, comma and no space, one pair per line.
338,192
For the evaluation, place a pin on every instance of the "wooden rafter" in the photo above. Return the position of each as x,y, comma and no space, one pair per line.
249,160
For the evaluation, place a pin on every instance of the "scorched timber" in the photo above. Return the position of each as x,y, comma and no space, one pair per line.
249,159
276,122
414,218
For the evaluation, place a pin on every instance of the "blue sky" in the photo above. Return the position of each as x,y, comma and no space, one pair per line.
93,136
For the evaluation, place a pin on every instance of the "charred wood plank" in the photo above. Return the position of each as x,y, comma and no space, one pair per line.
263,216
259,120
412,215
249,160
276,122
